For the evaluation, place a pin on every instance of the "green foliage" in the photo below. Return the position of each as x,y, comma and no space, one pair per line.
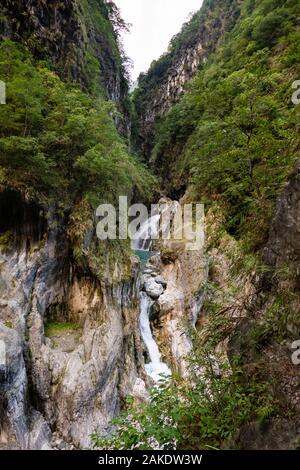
5,240
234,134
211,11
79,39
268,28
57,142
8,324
280,317
101,63
205,19
202,414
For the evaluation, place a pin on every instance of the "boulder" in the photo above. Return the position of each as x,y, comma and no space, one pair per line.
153,289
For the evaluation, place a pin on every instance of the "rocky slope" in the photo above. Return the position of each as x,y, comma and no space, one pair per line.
70,306
165,82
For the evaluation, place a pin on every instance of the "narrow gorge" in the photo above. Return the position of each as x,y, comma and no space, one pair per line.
186,349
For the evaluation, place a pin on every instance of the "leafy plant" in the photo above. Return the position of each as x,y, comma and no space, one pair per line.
204,413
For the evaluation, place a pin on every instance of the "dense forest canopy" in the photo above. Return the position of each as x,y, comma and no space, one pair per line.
234,135
231,141
56,141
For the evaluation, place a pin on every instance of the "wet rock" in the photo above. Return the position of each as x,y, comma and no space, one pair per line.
135,265
154,311
155,262
153,289
13,386
140,391
161,280
150,271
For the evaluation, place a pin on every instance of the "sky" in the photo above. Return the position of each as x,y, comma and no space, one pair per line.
154,23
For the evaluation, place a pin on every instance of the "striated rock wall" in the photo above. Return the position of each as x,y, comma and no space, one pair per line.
172,85
184,276
179,306
57,389
73,345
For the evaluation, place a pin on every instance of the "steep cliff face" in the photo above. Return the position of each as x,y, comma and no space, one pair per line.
73,344
166,80
283,247
68,309
77,38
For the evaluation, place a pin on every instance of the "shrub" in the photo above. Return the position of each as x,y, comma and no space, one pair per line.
203,413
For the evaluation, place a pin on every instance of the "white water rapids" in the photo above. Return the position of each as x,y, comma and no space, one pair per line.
142,242
156,367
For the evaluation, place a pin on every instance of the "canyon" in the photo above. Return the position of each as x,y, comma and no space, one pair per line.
86,323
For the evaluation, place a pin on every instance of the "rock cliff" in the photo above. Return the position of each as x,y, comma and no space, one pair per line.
72,345
77,38
163,85
283,247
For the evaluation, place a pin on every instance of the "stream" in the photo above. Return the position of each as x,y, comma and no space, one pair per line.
142,245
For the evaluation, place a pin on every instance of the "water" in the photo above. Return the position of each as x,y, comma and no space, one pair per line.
156,367
145,255
148,231
142,245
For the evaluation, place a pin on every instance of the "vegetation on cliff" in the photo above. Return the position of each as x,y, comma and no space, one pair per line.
79,39
231,141
57,142
62,138
234,134
204,413
204,28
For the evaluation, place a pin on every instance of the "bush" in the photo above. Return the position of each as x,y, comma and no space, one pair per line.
233,135
204,413
268,29
58,143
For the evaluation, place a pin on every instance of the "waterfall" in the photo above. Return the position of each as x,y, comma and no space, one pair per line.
142,243
148,231
156,366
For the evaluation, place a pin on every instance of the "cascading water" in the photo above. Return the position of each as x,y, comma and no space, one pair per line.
156,367
148,231
142,244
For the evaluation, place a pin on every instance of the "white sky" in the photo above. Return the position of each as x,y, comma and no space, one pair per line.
154,23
